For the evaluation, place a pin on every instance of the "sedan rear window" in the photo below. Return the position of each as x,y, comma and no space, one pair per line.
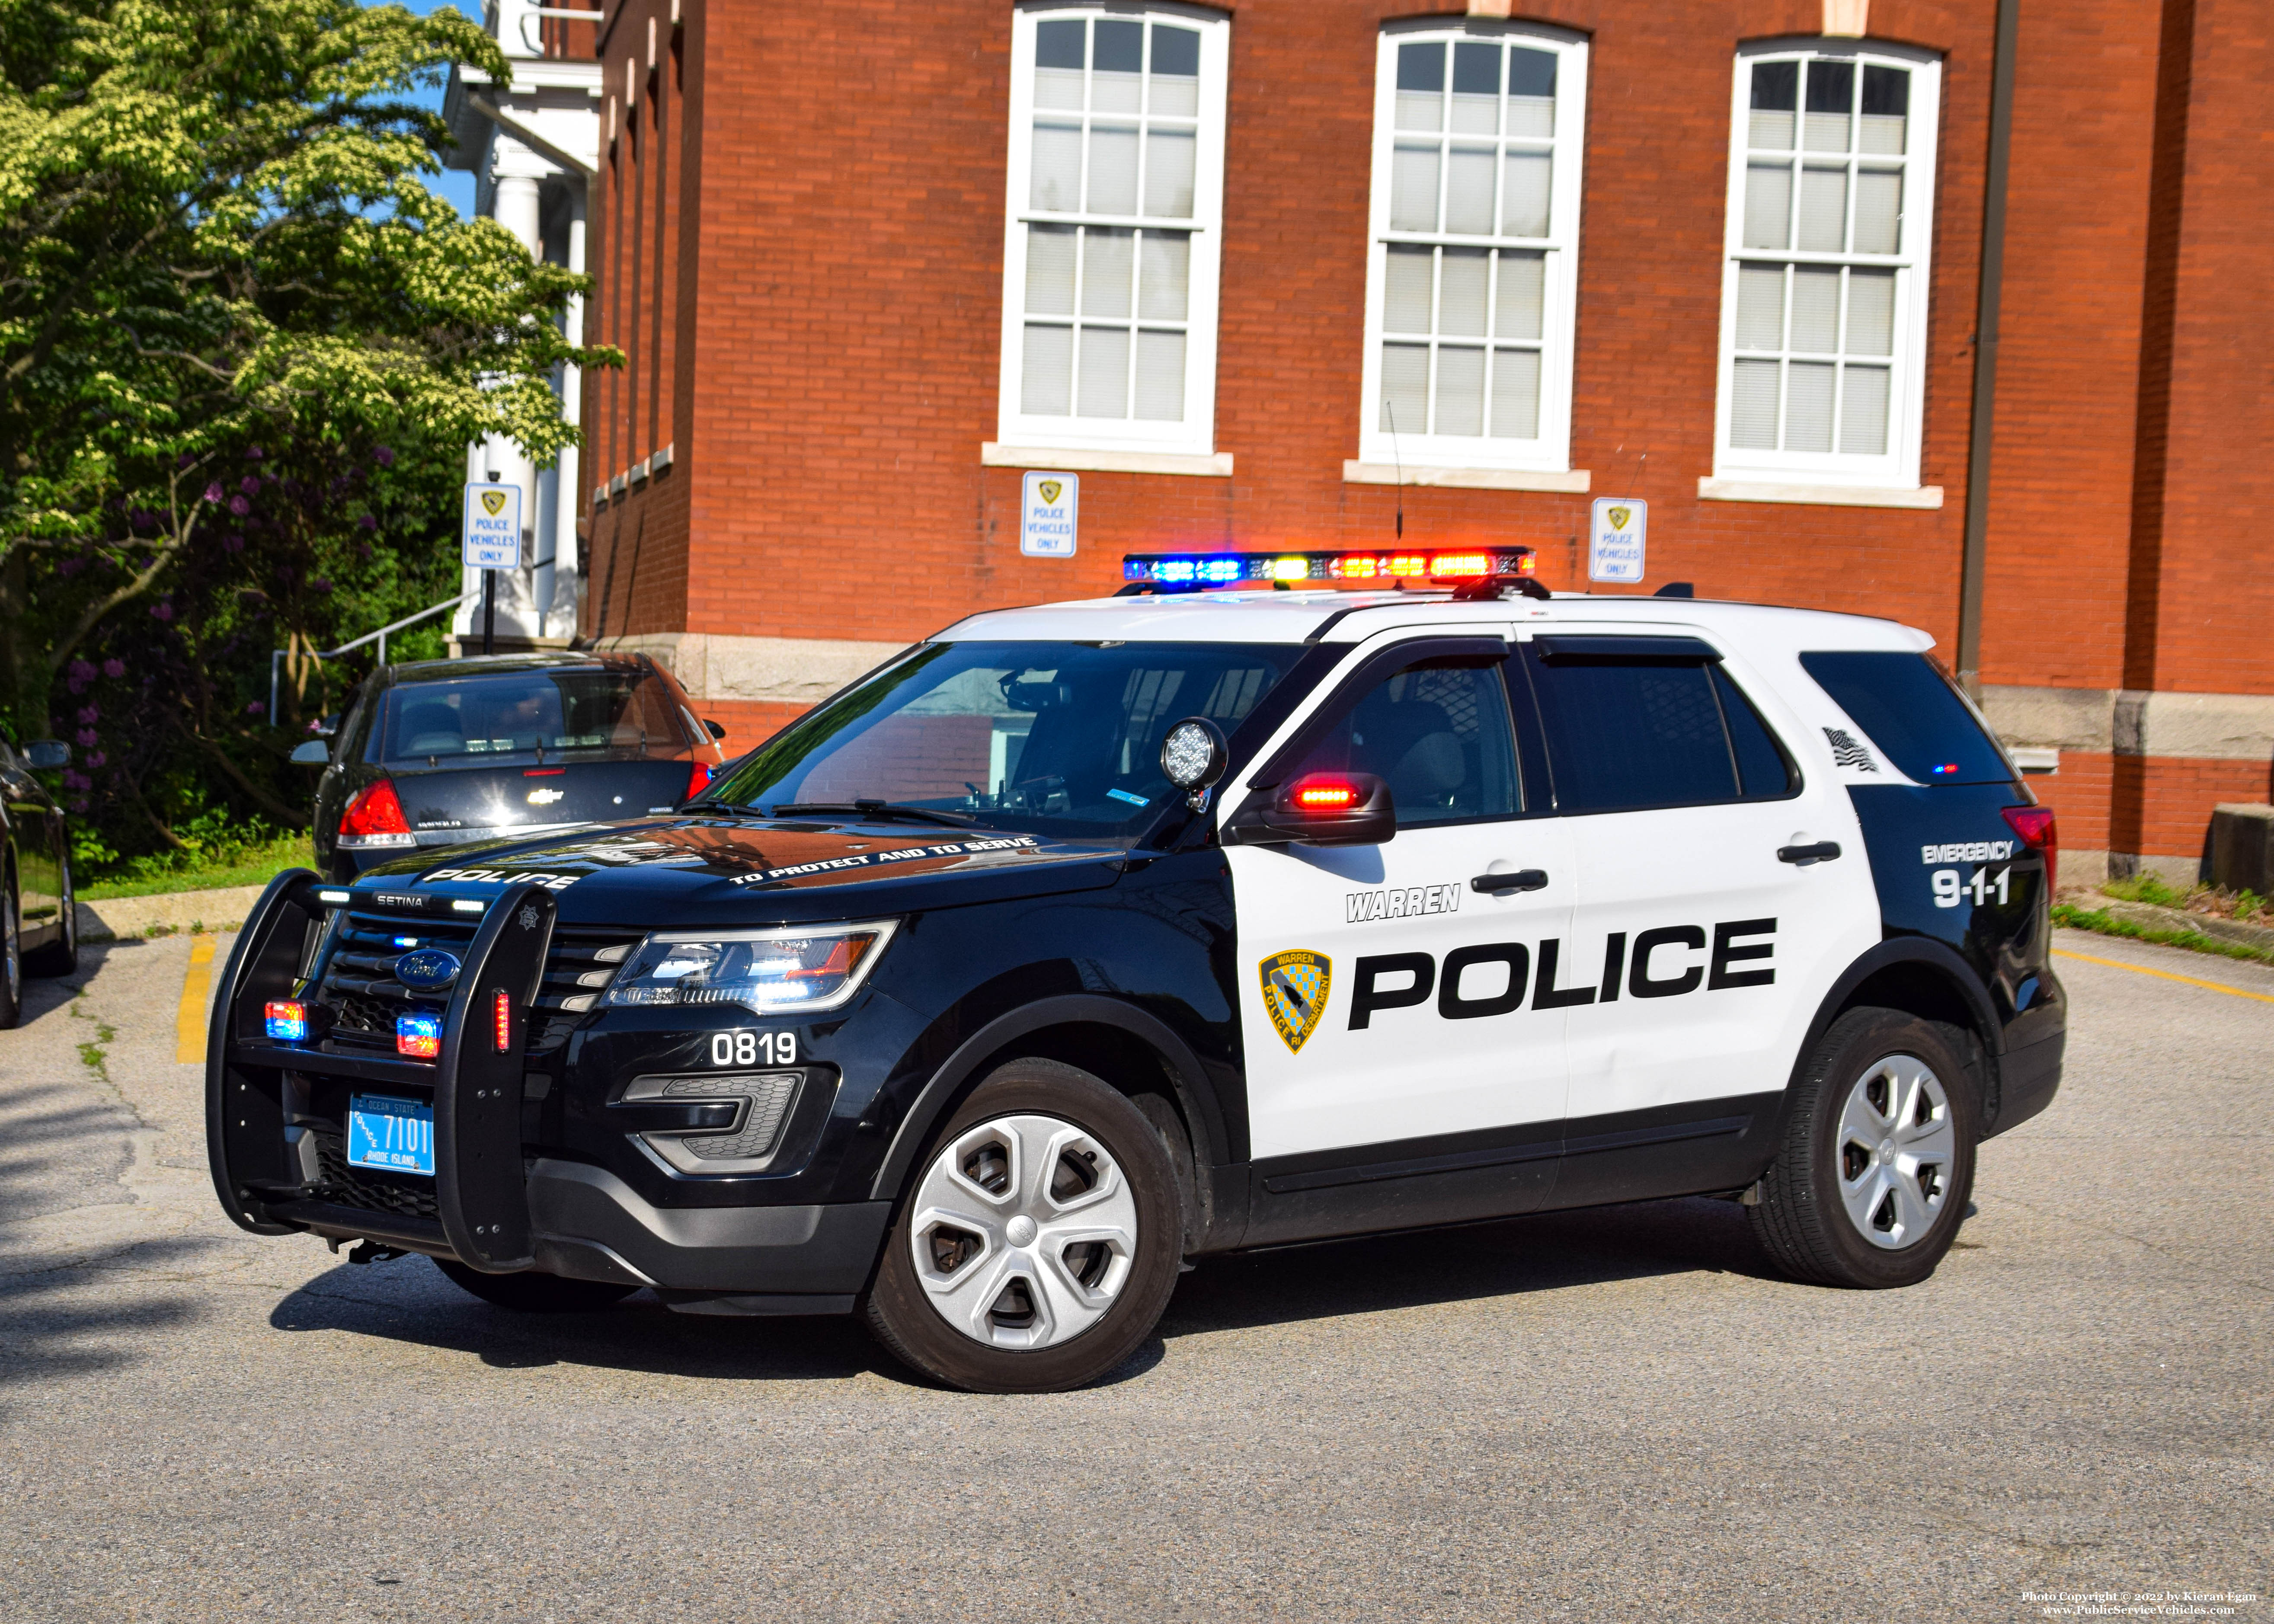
1912,713
613,714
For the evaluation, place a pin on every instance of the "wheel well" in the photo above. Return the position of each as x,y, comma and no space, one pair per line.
1926,992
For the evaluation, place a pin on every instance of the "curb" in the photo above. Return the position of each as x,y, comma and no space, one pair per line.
165,914
2149,916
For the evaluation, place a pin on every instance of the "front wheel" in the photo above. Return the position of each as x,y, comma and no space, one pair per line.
12,956
1041,1241
535,1294
1871,1182
59,956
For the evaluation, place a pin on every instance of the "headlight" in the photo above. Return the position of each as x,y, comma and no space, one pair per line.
769,972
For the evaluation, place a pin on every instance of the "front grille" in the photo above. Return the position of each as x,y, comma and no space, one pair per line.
346,1186
358,984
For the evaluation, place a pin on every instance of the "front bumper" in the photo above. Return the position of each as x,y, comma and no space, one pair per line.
493,1208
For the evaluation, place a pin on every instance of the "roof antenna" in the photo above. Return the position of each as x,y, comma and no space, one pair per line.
1389,411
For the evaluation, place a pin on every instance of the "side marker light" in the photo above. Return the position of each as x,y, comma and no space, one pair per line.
501,1020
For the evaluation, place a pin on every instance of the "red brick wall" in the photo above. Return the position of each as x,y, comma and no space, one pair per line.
2162,804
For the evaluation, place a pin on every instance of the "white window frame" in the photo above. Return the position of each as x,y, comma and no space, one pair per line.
1897,469
1551,452
1195,435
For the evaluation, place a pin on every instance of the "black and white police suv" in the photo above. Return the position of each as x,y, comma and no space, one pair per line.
1082,940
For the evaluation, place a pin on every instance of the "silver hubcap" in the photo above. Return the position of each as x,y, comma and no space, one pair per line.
1895,1152
1024,1233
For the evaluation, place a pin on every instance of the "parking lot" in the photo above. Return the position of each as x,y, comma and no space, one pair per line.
1595,1416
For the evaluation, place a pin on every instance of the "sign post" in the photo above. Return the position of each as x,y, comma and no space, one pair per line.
492,543
1614,538
1047,510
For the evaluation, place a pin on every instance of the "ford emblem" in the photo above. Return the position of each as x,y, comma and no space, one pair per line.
429,969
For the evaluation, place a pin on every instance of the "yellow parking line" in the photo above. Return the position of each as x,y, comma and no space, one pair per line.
2165,975
190,1019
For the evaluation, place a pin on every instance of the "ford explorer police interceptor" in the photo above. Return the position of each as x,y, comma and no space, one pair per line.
1275,899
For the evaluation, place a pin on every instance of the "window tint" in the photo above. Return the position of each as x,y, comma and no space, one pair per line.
1626,733
1438,736
1914,716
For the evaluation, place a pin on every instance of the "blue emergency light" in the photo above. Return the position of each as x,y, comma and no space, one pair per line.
418,1035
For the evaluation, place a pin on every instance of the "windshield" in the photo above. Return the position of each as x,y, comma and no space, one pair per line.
1058,738
611,714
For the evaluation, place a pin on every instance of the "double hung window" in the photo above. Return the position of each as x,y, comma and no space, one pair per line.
1475,242
1114,217
1825,294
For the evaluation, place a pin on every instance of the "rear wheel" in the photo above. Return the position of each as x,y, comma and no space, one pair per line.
1041,1241
535,1294
1871,1182
11,957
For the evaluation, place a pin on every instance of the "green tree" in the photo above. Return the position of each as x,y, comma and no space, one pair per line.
242,348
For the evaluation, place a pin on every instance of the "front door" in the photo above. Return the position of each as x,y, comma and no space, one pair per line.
1383,997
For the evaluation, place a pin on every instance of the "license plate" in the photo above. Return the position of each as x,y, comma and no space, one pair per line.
397,1135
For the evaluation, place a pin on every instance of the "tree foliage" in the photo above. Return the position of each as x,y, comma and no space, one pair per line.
243,347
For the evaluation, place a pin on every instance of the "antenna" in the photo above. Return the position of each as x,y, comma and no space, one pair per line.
1389,411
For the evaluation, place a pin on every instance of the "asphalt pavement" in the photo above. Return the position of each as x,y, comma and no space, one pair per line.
1612,1414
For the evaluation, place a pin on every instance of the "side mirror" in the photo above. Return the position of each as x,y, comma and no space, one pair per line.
717,732
45,755
1321,808
1193,755
315,753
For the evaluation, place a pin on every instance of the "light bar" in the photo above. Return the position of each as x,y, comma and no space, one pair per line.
418,1035
1194,571
285,1021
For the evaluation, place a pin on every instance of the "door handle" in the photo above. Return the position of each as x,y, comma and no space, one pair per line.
1823,851
1521,879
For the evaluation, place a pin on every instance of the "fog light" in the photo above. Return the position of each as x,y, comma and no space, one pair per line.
286,1022
418,1035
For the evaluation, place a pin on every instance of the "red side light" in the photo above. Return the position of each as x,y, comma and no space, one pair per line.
699,780
376,811
501,1020
2038,832
1326,795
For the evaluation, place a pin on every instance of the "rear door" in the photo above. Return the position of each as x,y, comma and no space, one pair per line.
1383,997
1700,954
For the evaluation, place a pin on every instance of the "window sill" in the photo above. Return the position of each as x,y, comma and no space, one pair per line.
1573,482
1830,495
1215,466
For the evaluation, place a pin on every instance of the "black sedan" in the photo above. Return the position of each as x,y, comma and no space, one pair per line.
444,752
39,932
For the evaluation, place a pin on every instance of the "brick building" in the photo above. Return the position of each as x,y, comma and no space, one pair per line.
1265,273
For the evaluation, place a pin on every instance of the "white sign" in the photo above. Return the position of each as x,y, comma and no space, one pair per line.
492,530
1614,538
1046,516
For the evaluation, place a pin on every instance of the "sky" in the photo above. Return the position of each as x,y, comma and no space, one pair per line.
456,184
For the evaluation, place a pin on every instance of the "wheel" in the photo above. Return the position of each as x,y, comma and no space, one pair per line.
1040,1241
59,956
1871,1184
11,958
536,1294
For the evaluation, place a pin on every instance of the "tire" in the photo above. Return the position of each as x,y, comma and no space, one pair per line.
1871,1184
61,956
1038,1241
536,1294
11,957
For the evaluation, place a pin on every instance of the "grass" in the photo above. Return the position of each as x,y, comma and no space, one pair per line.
2108,925
243,865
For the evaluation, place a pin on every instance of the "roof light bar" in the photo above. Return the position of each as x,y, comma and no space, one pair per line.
1196,571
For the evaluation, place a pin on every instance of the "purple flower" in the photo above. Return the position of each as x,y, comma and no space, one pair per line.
88,737
80,806
184,460
256,709
114,667
165,612
253,454
367,523
384,456
82,671
213,491
71,566
75,779
97,758
142,519
88,716
238,506
250,484
321,583
233,544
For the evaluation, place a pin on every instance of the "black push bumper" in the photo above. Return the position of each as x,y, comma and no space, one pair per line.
493,1209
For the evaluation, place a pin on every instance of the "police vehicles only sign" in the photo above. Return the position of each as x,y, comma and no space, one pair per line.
492,527
1614,538
1046,516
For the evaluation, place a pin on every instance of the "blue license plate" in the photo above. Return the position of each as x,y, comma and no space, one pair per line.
397,1135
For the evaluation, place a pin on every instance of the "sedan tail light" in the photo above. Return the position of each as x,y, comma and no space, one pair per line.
2036,826
699,780
374,818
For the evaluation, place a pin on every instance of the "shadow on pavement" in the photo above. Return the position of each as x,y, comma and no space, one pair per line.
409,1301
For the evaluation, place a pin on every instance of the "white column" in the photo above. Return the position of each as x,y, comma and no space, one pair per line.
517,172
556,595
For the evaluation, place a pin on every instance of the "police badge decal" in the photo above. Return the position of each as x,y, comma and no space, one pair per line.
1295,985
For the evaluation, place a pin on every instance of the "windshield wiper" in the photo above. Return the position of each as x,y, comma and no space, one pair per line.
878,810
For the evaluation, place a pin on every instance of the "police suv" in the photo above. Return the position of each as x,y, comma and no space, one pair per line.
1275,899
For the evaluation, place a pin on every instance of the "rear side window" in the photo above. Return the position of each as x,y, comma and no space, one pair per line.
1912,713
1629,726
